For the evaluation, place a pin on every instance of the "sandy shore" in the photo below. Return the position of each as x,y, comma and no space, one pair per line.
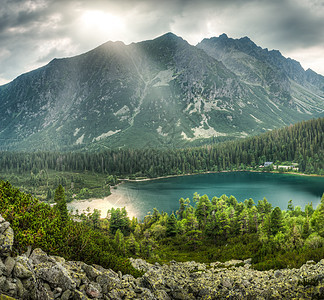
115,200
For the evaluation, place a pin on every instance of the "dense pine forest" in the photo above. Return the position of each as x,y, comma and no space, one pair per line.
87,175
302,143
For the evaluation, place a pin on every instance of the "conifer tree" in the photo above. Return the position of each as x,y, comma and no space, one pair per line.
118,220
171,226
276,220
133,246
290,206
202,211
59,199
120,241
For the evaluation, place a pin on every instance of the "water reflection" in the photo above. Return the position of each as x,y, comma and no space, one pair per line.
164,194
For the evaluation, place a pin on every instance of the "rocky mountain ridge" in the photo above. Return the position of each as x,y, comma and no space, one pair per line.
36,275
157,93
229,51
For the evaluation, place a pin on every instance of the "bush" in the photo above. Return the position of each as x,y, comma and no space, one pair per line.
38,225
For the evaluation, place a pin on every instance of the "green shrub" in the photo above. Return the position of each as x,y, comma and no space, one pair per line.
38,225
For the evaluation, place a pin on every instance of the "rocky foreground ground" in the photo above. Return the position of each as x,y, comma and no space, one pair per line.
36,275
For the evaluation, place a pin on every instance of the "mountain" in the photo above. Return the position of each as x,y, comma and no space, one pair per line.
283,79
157,93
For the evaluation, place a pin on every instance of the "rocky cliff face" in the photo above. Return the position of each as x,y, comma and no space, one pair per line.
36,275
284,78
162,92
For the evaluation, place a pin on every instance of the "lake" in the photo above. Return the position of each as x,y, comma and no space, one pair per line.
164,194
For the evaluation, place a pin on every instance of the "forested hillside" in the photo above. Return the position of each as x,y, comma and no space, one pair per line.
302,143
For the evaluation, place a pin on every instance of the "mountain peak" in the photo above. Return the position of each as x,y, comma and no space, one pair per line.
246,39
169,36
223,36
111,44
168,41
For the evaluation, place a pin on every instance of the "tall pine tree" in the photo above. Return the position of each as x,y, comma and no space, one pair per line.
171,226
59,198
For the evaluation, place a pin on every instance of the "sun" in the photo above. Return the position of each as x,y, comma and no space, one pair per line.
101,23
100,19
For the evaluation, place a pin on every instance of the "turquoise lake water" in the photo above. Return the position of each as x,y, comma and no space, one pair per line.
164,194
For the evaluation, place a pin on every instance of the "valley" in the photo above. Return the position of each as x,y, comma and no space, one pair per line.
161,150
86,175
272,212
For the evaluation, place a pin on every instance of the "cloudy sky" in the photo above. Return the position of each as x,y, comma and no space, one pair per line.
33,32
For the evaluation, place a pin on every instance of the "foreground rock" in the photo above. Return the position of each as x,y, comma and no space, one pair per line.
233,280
37,275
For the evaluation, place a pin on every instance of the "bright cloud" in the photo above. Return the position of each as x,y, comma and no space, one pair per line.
33,32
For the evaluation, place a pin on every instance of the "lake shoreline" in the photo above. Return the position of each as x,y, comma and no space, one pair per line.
128,196
111,198
214,172
114,200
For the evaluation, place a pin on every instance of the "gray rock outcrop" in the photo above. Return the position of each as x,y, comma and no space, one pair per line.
36,275
6,237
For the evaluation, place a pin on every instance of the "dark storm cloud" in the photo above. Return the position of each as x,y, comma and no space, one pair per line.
32,32
294,23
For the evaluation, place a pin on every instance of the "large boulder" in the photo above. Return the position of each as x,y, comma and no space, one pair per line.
22,268
50,270
6,237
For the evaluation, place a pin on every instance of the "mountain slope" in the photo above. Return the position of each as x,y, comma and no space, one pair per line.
157,93
283,79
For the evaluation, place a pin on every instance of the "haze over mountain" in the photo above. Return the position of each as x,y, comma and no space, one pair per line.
157,93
